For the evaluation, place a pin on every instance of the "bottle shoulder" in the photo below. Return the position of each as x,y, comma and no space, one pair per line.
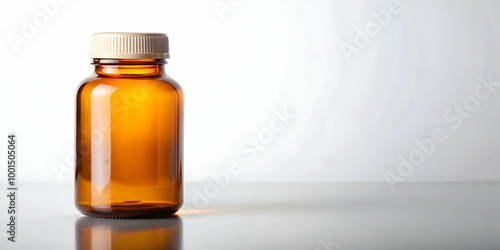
162,84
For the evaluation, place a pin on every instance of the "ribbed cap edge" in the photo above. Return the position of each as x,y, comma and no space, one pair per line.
125,45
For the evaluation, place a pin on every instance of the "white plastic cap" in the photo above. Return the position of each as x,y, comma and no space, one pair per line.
125,45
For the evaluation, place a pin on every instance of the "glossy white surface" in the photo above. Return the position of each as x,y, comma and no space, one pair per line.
279,216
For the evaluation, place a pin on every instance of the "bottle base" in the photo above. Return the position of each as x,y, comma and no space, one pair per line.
138,210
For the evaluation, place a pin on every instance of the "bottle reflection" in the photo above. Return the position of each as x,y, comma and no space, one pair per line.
93,234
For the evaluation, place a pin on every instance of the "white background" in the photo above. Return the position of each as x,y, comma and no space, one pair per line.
352,120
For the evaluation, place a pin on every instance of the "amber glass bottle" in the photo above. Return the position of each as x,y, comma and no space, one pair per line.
129,130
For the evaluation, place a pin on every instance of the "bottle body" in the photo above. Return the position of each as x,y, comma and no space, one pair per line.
129,141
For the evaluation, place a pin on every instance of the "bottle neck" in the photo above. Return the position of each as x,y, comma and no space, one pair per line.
129,67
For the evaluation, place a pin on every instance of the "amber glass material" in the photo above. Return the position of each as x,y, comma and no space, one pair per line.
129,140
98,234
